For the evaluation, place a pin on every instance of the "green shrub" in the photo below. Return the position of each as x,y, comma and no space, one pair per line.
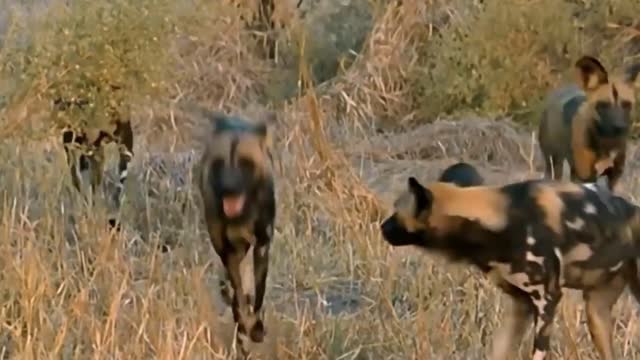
504,56
80,49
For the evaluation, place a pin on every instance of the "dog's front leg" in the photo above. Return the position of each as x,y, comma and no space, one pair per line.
260,268
242,313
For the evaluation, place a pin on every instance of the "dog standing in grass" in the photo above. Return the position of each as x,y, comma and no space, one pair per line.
84,148
588,125
235,179
533,238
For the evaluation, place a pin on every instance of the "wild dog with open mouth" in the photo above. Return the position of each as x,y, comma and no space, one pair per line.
533,238
235,179
84,148
588,125
461,174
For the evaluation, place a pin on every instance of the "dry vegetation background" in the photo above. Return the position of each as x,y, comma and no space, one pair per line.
367,93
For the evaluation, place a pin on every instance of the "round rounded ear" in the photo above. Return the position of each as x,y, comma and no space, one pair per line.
422,195
631,74
591,73
414,184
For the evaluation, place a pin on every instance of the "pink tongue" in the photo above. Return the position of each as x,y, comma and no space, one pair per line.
232,205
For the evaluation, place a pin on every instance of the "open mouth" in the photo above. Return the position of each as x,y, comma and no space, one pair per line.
233,205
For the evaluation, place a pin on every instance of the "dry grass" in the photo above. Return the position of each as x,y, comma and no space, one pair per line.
71,289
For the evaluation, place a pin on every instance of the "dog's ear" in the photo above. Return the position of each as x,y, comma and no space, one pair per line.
216,118
264,128
631,74
423,197
591,73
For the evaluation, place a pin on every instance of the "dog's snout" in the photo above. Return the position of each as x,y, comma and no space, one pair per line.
231,183
387,228
620,127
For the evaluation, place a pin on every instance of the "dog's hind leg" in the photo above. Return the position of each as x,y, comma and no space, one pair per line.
599,302
519,317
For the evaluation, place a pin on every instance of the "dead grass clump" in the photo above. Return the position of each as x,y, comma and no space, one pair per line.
494,59
216,57
476,139
374,90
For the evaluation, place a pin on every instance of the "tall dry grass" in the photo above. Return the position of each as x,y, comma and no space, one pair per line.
71,289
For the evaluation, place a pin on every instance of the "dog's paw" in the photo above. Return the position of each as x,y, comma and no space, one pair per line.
258,332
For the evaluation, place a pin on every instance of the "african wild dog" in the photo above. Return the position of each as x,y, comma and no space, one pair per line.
84,148
588,125
235,178
461,174
532,238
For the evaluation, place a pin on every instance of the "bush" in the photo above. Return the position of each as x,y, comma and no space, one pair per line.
502,57
111,53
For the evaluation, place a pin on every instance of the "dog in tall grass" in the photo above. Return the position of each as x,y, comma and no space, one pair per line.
588,123
533,238
236,183
84,147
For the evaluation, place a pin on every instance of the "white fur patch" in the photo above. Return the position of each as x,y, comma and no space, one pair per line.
531,240
533,258
262,250
560,262
577,224
616,267
589,208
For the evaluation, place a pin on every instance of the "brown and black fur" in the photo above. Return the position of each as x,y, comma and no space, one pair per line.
533,238
462,174
588,124
84,149
236,161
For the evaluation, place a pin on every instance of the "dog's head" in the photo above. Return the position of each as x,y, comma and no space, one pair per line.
237,162
408,223
428,216
611,99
